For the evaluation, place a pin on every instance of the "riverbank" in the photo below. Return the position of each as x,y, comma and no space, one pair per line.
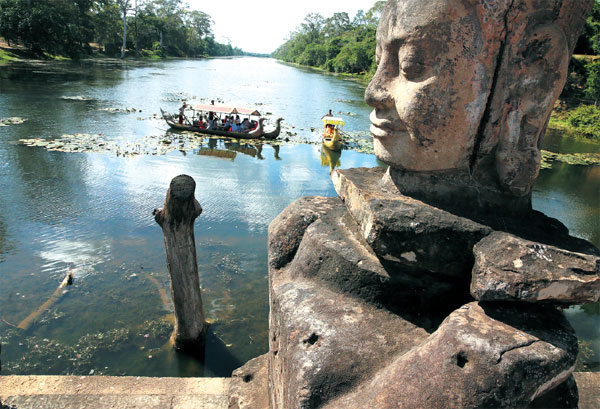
19,54
581,122
363,78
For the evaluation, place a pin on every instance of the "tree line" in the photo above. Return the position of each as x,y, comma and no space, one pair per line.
336,44
142,27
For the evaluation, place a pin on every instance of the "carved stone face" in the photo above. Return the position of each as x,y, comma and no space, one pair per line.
431,85
467,86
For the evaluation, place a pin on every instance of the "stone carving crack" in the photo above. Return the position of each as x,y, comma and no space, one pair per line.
488,106
526,344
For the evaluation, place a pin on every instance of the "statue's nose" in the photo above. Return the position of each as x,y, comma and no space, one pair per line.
378,93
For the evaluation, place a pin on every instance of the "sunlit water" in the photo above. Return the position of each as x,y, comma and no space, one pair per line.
92,212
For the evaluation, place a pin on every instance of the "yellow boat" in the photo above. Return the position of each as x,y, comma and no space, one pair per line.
332,127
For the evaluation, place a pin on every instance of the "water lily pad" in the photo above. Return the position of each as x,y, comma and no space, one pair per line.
15,120
582,159
125,110
77,98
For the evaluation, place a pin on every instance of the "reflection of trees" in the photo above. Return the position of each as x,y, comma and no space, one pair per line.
591,309
576,184
52,181
5,244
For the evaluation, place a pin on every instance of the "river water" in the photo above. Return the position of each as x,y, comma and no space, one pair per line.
91,212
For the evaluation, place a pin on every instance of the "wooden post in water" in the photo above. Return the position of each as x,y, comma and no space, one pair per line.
177,221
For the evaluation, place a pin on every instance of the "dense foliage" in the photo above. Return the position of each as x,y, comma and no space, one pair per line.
579,110
336,44
70,27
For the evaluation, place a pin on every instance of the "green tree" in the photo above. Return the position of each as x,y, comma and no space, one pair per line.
107,25
58,27
592,88
337,25
353,58
313,55
312,25
589,40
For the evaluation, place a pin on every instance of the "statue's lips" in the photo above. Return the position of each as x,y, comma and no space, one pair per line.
382,128
384,132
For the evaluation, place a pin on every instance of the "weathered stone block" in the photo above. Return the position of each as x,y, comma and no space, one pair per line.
430,246
510,268
287,229
564,396
249,387
323,344
333,252
483,355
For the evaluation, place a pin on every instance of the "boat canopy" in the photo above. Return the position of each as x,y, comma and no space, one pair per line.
333,120
222,109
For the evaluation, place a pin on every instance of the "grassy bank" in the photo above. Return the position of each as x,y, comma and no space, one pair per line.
582,121
577,112
363,78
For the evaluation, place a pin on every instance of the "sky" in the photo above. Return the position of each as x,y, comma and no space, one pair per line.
261,26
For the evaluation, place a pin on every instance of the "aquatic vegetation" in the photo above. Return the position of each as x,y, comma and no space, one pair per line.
77,98
583,159
83,357
584,355
180,96
125,110
15,120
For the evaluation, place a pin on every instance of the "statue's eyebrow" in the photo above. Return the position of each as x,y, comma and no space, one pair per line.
392,42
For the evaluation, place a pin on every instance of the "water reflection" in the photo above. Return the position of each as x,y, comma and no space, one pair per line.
330,158
5,243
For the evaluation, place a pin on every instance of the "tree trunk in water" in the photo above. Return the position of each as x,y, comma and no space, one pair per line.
177,221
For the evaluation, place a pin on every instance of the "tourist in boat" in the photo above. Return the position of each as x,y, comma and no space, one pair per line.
245,125
327,114
228,124
329,130
182,112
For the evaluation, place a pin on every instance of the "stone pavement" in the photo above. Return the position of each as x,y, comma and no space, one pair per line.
100,392
588,384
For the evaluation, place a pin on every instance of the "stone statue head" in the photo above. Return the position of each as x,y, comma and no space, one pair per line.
467,86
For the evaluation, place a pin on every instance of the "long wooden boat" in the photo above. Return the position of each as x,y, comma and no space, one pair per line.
172,121
275,133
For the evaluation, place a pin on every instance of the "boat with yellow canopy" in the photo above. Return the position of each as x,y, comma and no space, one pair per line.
332,128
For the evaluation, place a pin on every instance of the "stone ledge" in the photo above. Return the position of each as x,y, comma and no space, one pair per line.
127,392
110,385
588,384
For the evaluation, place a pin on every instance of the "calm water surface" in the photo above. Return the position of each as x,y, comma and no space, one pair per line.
92,212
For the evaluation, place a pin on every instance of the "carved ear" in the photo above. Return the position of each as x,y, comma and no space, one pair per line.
538,66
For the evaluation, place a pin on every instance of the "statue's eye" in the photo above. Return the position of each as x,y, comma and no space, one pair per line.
412,69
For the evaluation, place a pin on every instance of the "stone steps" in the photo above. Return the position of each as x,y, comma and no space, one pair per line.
100,392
